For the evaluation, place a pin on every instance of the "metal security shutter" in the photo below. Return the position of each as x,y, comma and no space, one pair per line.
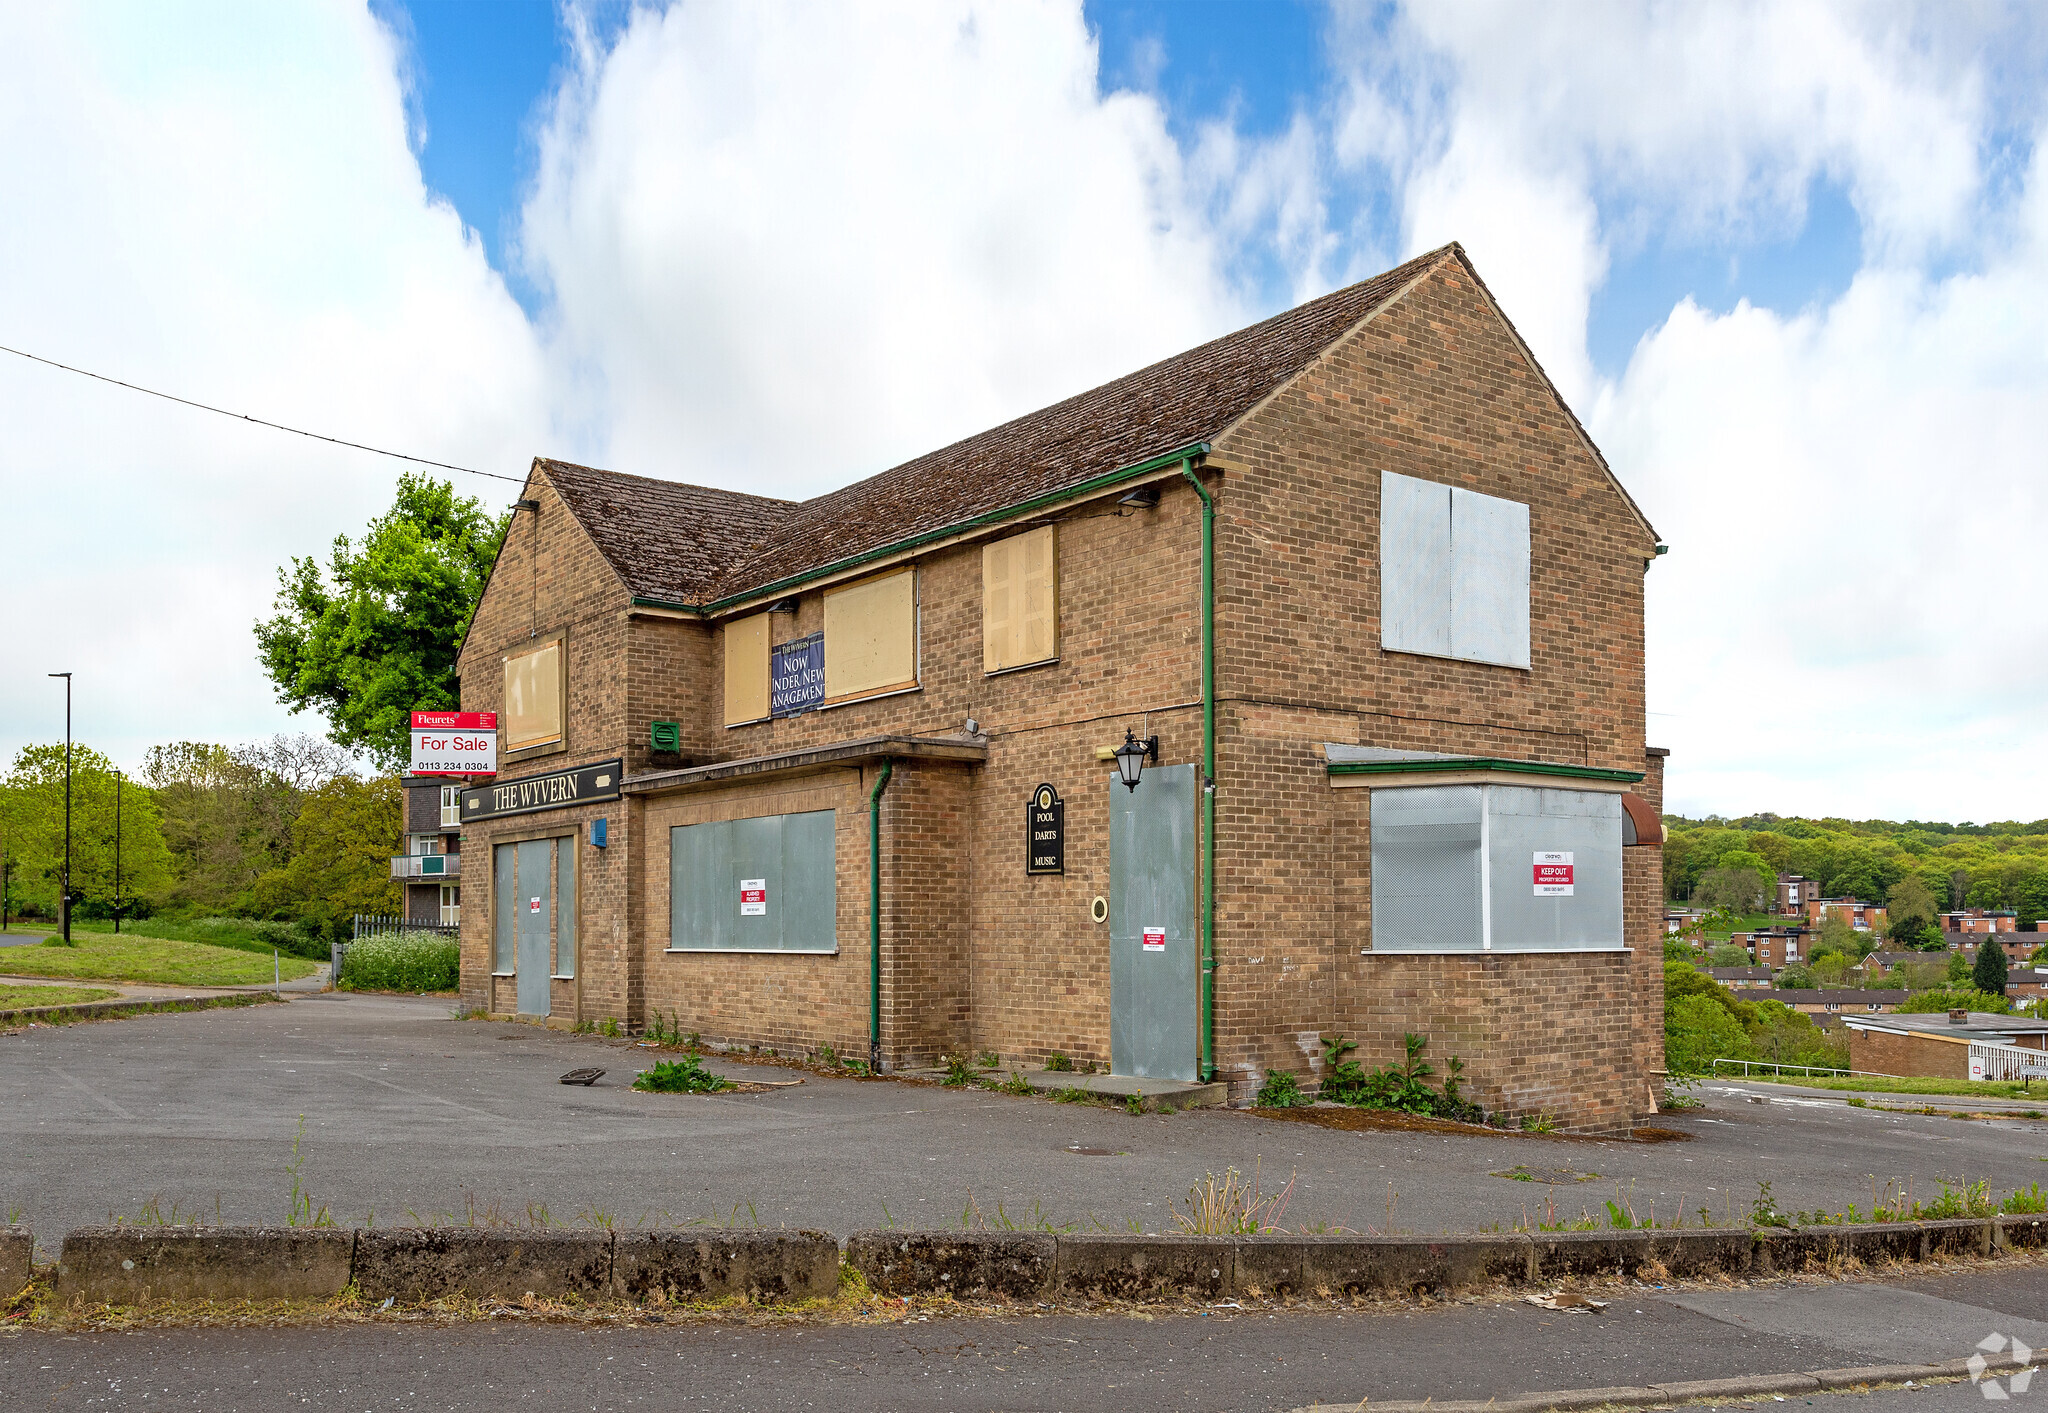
565,906
1489,579
1587,825
1426,869
1415,566
792,855
504,916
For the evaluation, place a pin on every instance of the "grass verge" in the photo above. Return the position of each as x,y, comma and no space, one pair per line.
1904,1084
148,960
14,998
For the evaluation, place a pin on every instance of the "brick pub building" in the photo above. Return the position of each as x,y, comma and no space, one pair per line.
1357,569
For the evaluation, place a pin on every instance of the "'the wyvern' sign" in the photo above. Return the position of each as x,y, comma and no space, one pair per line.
558,789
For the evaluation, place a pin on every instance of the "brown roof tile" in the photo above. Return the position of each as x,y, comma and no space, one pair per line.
667,540
692,544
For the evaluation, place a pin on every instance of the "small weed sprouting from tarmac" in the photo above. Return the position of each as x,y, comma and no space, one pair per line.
972,1218
1539,1123
684,1076
300,1211
1015,1084
1059,1063
1134,1104
988,1060
1233,1206
1282,1090
959,1074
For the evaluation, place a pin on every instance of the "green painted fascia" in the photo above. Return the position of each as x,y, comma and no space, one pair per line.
1506,767
960,527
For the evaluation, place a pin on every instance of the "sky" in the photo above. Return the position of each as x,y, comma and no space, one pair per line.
1787,261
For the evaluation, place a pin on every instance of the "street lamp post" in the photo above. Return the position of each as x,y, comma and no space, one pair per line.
117,852
64,903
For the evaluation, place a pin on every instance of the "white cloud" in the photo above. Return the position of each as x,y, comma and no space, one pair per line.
1844,486
218,202
792,246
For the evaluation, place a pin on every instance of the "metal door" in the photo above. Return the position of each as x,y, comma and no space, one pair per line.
534,901
1153,950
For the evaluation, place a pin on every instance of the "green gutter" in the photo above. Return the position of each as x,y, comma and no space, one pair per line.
1507,767
1207,1037
875,916
958,527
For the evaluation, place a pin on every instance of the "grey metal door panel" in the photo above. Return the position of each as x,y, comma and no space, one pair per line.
535,904
1152,994
505,912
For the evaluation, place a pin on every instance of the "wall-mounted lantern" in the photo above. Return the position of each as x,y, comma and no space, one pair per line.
1132,755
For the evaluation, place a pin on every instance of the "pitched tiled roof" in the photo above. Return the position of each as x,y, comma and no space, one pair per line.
1188,398
667,540
692,544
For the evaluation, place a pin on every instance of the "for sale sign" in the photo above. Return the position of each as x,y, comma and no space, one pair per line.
1553,875
454,743
753,897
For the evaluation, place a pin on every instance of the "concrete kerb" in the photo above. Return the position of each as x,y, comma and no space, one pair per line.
1682,1391
17,1254
127,1265
130,1265
109,1010
432,1263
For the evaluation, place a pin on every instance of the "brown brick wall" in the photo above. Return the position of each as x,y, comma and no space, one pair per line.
1876,1053
978,955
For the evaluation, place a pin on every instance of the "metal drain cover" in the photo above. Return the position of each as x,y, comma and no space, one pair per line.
584,1077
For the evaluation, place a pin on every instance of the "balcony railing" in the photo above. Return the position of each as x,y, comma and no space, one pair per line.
438,867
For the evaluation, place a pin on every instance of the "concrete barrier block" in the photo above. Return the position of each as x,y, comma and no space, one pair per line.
970,1265
1959,1236
1563,1254
1146,1267
1869,1243
1348,1265
1703,1252
2022,1233
128,1265
427,1263
17,1252
1780,1251
758,1265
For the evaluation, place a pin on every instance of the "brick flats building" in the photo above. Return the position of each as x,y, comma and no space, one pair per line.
1352,586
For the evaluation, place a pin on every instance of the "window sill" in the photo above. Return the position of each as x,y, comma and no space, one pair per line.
508,975
871,697
1448,657
1022,667
1489,951
748,952
546,748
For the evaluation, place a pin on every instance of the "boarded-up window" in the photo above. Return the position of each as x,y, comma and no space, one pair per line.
505,915
565,906
1019,601
871,636
1454,572
754,885
533,697
1503,868
746,669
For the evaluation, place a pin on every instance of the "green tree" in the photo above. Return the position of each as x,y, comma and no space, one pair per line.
375,638
1740,890
1986,893
1698,1031
1797,978
1988,975
32,826
1958,968
342,843
1728,955
1954,998
228,813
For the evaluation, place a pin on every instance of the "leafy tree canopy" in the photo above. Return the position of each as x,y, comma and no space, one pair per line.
374,638
1988,975
32,830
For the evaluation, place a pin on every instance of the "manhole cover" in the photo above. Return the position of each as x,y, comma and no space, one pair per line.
584,1077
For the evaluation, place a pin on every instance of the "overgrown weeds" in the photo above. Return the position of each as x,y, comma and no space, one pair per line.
684,1076
1402,1087
1282,1090
1233,1205
299,1210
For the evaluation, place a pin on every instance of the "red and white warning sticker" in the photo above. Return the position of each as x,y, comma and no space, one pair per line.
1155,939
1553,875
753,897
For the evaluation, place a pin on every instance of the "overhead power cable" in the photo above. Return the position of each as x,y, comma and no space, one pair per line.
259,421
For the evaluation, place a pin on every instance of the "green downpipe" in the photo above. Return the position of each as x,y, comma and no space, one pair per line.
875,916
1208,979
